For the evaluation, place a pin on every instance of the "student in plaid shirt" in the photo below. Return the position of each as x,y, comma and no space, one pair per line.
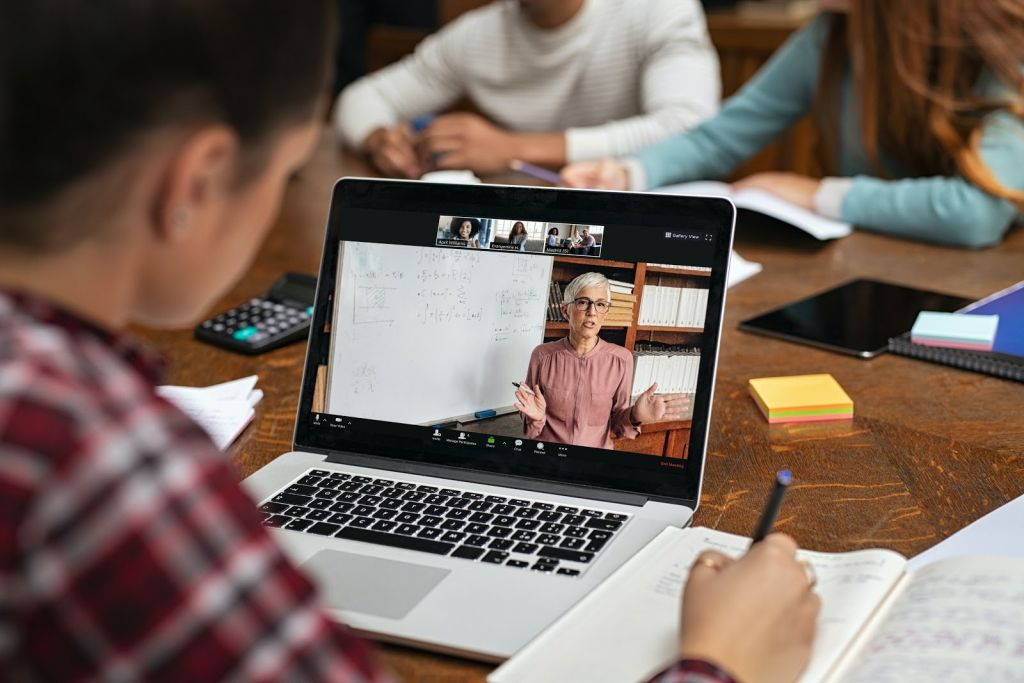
144,148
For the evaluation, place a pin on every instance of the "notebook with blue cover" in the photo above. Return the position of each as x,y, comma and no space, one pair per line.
1006,359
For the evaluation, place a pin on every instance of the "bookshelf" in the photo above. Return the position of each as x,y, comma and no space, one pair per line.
669,439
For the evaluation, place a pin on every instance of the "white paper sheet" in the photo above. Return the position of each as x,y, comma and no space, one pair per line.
741,269
222,410
999,533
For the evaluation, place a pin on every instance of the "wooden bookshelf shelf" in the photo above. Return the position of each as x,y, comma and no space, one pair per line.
661,328
600,262
682,272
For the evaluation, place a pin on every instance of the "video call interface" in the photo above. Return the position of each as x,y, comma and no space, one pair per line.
463,342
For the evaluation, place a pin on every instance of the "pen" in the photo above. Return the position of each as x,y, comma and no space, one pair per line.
420,123
525,388
535,171
782,481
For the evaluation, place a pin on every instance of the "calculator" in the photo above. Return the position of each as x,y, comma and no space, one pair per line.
265,323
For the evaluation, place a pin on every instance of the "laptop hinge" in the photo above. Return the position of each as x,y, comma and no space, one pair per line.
489,478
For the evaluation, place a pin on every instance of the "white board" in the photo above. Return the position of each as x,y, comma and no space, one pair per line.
423,336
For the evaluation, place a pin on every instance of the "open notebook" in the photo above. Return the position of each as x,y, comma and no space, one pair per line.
956,620
759,201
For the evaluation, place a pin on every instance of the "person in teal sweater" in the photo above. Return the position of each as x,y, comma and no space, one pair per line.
922,139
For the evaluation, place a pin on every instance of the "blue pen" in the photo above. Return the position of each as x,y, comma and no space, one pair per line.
420,123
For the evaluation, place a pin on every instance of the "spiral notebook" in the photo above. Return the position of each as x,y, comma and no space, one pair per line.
1006,359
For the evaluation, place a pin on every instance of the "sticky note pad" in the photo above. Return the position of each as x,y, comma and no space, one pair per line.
801,398
954,330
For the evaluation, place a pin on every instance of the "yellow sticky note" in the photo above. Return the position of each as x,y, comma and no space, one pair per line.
801,398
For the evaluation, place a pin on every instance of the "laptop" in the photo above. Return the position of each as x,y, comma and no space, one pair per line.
414,496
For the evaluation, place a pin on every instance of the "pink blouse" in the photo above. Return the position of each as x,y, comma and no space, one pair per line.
587,395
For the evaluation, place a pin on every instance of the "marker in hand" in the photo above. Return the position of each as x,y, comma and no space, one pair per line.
771,511
520,385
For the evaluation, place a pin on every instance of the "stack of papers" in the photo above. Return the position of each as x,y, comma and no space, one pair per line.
801,398
955,331
222,410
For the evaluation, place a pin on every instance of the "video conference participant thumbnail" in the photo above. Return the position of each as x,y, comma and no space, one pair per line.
577,389
455,231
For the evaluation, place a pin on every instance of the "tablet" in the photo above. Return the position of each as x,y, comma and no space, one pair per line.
855,318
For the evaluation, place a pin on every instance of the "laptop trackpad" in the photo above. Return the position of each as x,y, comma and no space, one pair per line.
372,585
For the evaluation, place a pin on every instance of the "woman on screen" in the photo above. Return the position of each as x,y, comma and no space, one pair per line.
467,230
577,389
553,238
518,235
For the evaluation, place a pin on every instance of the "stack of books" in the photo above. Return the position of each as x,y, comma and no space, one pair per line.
623,300
673,307
801,398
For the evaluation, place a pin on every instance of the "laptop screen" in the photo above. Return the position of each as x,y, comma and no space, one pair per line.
558,335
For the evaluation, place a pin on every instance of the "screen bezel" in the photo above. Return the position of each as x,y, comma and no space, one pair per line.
681,486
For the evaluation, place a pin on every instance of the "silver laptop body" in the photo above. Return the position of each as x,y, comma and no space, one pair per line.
361,435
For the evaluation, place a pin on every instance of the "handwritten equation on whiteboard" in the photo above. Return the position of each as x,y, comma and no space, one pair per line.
447,330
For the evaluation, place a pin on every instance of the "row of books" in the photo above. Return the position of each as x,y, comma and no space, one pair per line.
554,303
673,306
675,372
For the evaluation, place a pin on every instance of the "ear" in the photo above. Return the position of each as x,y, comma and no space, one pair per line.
199,171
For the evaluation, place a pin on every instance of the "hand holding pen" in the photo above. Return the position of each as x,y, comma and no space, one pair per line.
756,612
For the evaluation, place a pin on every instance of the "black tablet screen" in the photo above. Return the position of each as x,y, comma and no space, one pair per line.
857,317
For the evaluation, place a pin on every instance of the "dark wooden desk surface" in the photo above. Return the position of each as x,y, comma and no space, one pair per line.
930,449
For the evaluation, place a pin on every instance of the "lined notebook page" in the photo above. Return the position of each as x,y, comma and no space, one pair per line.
955,620
627,629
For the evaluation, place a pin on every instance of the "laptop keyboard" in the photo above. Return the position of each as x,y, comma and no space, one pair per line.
515,532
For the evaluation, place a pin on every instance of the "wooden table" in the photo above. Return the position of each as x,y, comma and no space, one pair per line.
930,449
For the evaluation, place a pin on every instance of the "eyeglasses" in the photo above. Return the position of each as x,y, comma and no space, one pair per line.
582,304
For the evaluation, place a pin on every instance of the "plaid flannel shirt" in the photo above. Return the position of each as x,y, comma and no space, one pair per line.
128,551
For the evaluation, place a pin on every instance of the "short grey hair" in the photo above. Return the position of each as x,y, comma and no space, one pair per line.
585,281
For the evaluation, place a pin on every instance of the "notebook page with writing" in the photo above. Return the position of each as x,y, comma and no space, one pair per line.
956,620
627,629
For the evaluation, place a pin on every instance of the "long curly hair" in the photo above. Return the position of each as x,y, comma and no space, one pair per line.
916,65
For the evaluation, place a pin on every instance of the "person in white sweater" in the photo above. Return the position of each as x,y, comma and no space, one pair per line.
555,82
